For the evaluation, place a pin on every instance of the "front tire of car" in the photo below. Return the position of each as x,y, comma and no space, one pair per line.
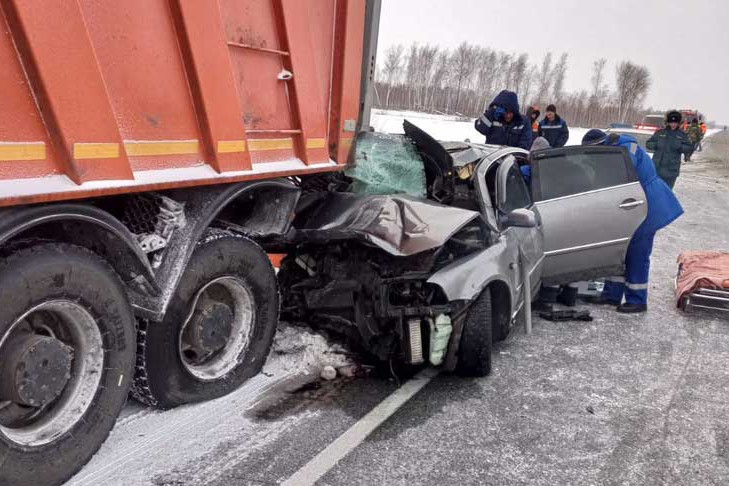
474,351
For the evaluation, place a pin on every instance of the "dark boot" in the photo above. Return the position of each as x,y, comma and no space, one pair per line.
568,296
603,301
632,308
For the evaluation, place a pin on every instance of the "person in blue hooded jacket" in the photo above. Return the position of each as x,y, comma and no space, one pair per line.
663,209
503,124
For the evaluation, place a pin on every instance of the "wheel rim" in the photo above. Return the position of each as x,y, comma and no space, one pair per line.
231,292
72,324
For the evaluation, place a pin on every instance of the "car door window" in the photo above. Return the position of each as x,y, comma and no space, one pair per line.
517,193
564,173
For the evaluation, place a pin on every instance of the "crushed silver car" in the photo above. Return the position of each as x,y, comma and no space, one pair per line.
438,279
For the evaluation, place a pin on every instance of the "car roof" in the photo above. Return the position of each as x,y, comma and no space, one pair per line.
631,131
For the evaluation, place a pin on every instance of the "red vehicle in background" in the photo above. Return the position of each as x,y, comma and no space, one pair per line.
652,122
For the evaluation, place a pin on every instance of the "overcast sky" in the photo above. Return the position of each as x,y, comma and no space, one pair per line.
684,43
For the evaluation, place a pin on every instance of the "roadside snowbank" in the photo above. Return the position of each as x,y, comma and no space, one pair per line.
443,127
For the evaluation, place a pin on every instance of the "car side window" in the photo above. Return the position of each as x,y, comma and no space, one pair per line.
517,193
565,174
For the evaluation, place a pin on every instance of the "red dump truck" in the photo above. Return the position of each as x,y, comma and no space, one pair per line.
146,147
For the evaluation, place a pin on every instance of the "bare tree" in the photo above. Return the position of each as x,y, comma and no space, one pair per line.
599,91
558,74
631,85
518,72
392,69
545,78
463,61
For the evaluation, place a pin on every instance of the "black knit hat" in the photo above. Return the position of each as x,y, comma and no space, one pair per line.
552,108
673,116
594,136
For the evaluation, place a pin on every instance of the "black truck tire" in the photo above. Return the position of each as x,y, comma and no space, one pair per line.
474,350
222,264
71,295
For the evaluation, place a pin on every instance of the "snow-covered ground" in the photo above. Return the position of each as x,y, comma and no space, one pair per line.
144,439
442,127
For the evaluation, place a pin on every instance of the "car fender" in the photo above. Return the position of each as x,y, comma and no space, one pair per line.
465,278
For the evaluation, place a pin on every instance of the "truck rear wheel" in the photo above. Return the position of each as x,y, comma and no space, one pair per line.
218,329
474,350
66,360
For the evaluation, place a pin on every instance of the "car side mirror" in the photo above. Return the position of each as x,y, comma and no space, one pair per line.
521,218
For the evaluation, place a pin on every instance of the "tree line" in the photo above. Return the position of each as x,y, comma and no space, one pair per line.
462,81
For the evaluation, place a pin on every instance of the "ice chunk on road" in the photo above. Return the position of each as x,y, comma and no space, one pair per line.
297,350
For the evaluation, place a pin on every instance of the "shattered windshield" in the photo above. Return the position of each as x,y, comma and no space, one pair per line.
387,164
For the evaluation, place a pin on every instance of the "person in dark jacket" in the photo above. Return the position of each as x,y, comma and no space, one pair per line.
503,124
533,116
663,209
554,128
667,146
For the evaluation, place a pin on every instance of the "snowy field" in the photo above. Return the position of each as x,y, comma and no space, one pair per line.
443,127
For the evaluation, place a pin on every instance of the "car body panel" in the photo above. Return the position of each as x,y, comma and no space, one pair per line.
586,234
465,278
400,225
641,136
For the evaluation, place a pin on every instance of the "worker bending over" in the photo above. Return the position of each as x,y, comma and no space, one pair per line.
663,209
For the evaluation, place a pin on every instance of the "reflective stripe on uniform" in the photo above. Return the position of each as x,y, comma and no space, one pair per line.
498,124
549,127
633,286
633,148
485,120
519,127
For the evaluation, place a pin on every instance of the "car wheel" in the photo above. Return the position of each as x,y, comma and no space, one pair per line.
218,329
474,350
66,360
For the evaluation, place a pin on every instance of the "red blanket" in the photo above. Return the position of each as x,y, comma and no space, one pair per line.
706,269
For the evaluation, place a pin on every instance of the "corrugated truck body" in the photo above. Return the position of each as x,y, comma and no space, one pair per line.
104,97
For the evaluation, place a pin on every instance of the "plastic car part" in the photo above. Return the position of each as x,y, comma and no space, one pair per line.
440,333
415,341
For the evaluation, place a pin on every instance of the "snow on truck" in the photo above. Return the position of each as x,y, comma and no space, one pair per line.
147,147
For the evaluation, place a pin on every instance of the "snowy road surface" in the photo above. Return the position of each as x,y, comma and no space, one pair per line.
620,400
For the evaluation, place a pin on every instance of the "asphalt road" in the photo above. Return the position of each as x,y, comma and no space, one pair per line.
620,400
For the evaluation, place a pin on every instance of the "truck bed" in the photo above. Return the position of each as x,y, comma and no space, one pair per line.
156,94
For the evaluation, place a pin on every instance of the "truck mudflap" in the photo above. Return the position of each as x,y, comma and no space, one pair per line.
399,225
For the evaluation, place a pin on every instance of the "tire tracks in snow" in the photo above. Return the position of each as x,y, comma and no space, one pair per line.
178,434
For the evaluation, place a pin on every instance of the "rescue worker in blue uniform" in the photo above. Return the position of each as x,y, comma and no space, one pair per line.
554,128
663,209
503,124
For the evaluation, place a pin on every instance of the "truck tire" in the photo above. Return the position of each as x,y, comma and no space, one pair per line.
218,329
474,350
59,303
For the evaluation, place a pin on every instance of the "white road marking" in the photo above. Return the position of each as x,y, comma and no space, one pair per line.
355,435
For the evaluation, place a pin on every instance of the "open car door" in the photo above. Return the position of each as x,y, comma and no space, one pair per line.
591,203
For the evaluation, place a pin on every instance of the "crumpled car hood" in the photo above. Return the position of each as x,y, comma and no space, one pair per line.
398,224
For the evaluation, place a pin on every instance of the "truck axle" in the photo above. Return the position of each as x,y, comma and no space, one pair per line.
35,369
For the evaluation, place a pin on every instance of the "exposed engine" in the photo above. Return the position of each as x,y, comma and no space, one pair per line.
381,303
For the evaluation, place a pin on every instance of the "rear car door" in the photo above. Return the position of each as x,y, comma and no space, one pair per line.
591,203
